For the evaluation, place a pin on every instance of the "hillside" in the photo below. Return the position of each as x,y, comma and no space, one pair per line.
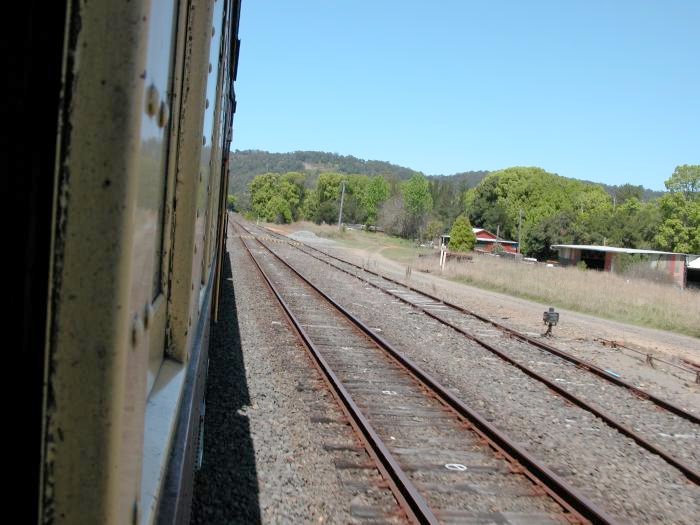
246,164
463,180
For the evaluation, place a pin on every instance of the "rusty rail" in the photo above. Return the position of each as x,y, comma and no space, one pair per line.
406,494
687,470
652,359
567,496
667,405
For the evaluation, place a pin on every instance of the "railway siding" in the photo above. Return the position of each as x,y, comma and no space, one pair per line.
675,432
277,447
409,417
609,468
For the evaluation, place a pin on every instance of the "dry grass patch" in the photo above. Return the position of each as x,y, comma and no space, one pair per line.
637,301
603,294
371,241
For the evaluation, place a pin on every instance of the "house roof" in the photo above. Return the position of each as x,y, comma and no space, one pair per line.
613,249
493,237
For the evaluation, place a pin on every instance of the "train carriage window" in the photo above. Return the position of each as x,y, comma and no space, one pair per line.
151,223
210,160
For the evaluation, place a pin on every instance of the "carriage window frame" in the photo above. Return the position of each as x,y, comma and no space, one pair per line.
166,116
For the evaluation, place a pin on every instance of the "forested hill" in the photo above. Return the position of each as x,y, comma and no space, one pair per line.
245,165
464,180
544,207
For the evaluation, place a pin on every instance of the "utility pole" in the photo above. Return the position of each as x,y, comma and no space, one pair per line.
520,224
340,214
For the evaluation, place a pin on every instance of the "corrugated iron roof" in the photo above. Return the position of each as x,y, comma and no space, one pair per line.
477,231
497,241
614,249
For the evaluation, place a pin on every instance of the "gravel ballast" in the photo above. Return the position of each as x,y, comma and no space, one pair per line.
273,434
628,481
662,428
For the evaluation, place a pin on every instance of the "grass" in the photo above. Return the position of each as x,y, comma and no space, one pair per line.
370,241
603,294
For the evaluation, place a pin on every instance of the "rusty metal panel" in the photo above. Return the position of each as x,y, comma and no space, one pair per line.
187,242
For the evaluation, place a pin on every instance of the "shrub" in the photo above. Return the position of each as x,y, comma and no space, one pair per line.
462,238
231,202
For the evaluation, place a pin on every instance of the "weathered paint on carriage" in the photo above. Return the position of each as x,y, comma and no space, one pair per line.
124,233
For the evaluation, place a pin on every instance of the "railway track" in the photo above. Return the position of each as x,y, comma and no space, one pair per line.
653,423
443,461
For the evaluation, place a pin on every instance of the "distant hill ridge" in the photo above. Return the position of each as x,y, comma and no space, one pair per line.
246,164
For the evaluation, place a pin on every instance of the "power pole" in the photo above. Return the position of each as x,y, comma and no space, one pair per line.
520,224
340,214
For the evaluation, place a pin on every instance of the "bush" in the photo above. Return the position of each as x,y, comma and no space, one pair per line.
231,202
462,238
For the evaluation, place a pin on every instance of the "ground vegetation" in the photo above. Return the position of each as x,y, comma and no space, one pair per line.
529,204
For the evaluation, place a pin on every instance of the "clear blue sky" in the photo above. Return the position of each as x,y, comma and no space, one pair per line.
604,90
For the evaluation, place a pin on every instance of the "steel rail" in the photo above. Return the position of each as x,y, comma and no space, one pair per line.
687,470
567,496
649,358
581,363
405,492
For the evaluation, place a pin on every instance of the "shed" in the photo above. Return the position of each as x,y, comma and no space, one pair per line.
604,258
487,241
692,272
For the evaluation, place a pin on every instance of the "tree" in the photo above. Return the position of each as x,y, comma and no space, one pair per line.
328,192
309,206
433,229
447,197
462,238
328,188
392,216
680,228
231,202
417,201
376,191
557,229
497,201
263,189
485,206
277,197
686,180
680,212
634,224
626,192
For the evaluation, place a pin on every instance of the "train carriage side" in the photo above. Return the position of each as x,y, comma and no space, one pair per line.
127,285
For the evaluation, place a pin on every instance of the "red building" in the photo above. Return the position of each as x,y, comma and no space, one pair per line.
487,242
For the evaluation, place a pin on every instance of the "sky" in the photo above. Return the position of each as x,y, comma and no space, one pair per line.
601,90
